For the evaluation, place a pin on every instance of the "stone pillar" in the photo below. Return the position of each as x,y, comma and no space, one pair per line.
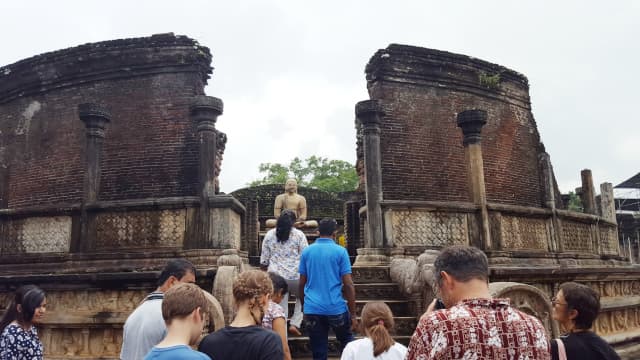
588,192
204,111
547,181
352,226
471,123
607,202
252,231
95,118
368,113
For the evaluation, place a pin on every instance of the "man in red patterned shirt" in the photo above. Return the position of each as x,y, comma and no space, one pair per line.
473,325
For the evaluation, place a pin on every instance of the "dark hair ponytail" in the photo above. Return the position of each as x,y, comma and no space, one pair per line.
284,225
29,297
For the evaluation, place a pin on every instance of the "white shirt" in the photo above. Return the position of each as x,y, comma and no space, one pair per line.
362,349
143,329
283,258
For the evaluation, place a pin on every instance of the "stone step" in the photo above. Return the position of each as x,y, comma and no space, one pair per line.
370,274
378,291
300,349
398,307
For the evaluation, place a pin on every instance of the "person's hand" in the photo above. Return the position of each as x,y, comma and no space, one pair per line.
430,308
354,324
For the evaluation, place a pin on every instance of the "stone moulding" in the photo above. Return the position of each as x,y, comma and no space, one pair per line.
515,229
114,59
124,224
415,65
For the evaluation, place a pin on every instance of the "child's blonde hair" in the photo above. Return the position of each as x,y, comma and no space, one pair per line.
377,322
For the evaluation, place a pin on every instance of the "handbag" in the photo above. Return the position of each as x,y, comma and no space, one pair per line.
562,353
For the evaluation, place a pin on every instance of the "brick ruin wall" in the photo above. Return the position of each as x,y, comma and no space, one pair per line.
320,204
149,150
422,154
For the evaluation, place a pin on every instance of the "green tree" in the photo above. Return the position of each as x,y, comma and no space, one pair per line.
575,202
315,172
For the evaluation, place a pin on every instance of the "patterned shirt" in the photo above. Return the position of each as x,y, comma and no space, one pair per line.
283,258
479,329
19,344
273,312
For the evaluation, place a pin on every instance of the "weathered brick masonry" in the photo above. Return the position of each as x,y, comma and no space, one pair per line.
422,155
147,83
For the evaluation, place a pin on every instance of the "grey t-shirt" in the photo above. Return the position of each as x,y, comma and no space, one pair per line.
144,328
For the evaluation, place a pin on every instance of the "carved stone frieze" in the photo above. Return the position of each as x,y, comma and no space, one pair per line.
371,274
98,301
164,228
609,240
411,227
528,299
228,227
377,291
87,342
576,236
38,235
523,233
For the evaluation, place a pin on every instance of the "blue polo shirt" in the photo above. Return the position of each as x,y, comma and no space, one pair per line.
324,263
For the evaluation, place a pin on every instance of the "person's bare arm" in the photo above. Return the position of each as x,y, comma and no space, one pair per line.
279,327
349,292
301,283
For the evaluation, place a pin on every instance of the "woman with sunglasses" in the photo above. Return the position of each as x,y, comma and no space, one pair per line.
575,308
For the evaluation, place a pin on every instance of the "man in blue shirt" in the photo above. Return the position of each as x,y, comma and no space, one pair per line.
325,274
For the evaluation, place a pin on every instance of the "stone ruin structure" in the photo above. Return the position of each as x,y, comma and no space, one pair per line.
259,202
450,154
109,158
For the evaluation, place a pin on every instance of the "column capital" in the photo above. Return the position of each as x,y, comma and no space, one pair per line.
471,123
204,110
369,113
95,118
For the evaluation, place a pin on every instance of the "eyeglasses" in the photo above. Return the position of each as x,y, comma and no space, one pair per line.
554,302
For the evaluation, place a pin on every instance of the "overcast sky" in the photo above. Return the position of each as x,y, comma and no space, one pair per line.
290,72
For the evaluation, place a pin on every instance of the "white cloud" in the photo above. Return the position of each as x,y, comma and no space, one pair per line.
294,70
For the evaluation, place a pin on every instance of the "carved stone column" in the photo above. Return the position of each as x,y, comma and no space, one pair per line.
368,113
588,192
471,123
204,111
607,202
549,198
95,118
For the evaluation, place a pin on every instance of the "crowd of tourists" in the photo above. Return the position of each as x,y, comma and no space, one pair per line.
464,322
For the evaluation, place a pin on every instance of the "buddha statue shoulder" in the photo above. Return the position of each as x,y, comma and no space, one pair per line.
293,201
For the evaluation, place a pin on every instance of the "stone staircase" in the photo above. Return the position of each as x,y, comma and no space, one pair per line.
372,284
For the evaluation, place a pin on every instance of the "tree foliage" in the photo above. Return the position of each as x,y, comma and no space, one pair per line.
315,172
575,202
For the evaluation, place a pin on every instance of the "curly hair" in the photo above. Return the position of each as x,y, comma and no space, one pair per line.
251,284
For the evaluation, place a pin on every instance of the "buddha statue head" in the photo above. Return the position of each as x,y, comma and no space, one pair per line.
291,186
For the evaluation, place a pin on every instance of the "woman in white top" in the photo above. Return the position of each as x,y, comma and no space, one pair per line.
376,322
281,251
